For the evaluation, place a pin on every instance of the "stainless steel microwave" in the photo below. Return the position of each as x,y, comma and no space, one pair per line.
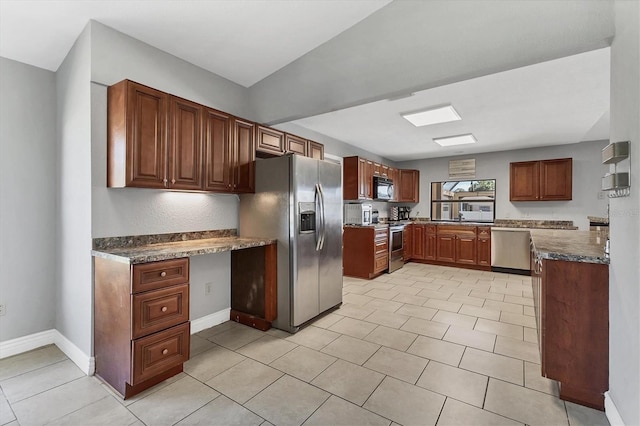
382,188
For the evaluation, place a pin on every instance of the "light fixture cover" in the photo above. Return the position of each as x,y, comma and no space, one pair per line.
438,115
456,140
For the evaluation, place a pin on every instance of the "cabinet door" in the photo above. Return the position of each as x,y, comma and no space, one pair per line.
147,112
377,169
446,247
185,147
365,179
556,179
430,243
409,186
484,246
315,150
244,156
418,241
295,144
407,243
466,249
270,141
217,151
524,181
393,175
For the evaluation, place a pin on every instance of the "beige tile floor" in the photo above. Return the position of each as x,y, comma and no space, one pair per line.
425,345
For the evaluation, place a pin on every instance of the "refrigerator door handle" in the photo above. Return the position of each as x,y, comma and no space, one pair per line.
318,201
322,217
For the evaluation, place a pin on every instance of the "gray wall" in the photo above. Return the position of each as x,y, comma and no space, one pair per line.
132,211
436,42
27,198
587,171
624,284
74,293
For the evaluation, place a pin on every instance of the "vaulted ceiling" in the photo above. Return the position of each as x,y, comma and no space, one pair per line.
521,73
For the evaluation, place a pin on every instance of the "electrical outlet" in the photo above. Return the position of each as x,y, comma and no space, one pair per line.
207,288
3,310
600,195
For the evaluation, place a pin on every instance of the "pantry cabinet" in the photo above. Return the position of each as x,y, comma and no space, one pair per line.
545,180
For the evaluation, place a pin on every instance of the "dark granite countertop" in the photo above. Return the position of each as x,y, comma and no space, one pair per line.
506,223
373,225
574,246
151,248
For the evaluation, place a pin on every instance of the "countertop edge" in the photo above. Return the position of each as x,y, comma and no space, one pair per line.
163,251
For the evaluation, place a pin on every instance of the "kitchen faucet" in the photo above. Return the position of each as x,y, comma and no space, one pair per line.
460,216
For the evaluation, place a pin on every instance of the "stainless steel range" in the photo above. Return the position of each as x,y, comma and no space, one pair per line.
396,247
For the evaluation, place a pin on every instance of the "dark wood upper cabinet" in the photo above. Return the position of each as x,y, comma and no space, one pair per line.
358,179
137,136
185,145
295,144
556,179
544,180
218,151
408,186
270,141
315,150
244,156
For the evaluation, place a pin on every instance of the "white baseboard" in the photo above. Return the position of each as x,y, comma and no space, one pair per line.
50,337
87,363
27,343
611,411
209,321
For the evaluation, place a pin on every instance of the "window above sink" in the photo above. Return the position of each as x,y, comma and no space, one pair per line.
463,200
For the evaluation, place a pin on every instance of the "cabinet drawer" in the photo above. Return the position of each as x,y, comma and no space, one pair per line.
159,352
159,309
381,263
380,234
155,275
381,246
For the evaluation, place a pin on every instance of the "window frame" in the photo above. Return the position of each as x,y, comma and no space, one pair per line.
440,201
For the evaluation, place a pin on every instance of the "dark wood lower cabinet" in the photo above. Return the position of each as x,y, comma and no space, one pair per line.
142,329
365,251
465,246
572,312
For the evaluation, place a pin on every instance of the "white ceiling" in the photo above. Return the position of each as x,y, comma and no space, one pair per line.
241,40
560,101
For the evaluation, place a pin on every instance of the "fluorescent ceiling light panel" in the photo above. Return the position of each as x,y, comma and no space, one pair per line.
456,140
438,115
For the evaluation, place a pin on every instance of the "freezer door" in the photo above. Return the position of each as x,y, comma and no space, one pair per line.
304,265
330,264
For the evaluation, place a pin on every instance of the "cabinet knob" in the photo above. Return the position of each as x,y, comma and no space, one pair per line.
165,351
164,309
164,182
173,181
163,274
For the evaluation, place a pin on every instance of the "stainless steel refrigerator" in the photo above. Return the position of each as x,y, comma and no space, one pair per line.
298,200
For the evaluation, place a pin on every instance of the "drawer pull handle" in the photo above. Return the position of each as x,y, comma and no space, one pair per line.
164,309
163,274
165,351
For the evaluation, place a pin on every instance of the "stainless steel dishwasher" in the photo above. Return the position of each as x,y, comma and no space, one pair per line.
510,250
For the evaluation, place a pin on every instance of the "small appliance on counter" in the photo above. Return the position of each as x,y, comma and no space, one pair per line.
358,214
403,212
375,216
